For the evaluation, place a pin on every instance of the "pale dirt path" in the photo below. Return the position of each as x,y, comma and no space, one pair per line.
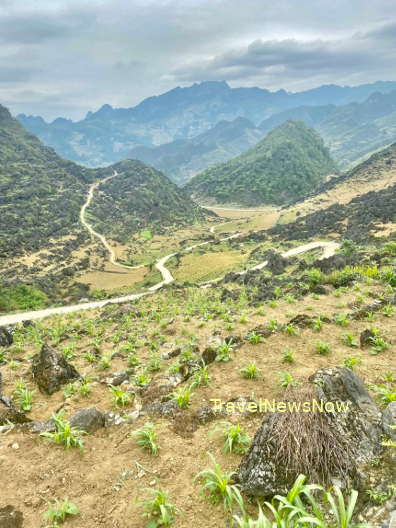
328,247
91,230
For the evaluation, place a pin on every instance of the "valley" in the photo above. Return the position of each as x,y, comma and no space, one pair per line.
144,324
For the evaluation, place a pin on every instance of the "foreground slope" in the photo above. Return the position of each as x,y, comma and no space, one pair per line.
288,163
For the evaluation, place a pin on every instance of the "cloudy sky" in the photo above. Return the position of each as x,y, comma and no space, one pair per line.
65,57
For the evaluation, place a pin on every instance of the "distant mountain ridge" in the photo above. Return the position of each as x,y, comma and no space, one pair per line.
289,163
109,134
182,159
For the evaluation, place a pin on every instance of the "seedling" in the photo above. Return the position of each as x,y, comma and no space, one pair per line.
65,434
251,371
236,440
288,356
58,511
146,438
218,485
159,510
182,397
121,397
286,379
322,348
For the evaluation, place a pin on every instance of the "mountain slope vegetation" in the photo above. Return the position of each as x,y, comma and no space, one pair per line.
358,205
40,194
287,164
351,131
141,197
109,135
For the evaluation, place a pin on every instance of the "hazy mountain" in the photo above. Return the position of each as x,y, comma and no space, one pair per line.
351,131
183,158
110,134
288,163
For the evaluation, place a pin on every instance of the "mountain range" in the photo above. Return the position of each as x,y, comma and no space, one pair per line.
183,114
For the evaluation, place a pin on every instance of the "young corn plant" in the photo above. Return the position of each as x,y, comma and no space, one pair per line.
23,396
250,371
291,329
350,340
322,349
158,509
121,398
351,362
218,485
379,344
224,352
182,397
236,440
254,338
146,438
200,378
286,379
59,511
288,356
65,434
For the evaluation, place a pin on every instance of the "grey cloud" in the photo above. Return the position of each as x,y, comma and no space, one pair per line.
296,57
64,57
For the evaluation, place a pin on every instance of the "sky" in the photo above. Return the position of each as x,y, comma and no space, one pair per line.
66,57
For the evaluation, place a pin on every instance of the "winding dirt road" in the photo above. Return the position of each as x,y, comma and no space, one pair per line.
91,230
329,248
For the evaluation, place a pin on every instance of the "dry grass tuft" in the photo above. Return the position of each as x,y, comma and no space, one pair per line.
307,443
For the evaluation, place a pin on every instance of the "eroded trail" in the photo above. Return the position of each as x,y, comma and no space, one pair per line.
91,230
329,249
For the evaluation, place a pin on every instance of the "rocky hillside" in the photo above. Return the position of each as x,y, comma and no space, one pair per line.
108,135
288,163
358,205
184,158
141,197
40,193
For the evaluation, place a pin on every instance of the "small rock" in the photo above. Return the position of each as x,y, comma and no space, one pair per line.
366,337
117,378
113,419
10,517
6,336
51,370
209,355
88,420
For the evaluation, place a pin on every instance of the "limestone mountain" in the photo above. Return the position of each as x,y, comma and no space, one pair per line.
289,163
40,193
353,131
184,158
141,197
109,135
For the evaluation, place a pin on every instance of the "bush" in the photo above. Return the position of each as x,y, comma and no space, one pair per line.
22,297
